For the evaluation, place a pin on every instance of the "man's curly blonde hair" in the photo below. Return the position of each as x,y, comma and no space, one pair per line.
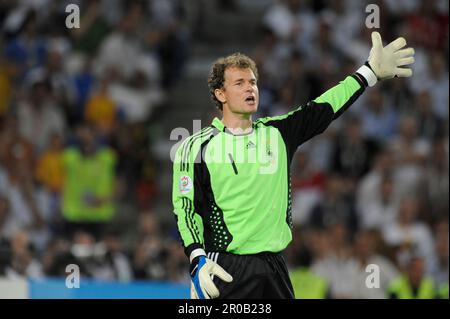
216,76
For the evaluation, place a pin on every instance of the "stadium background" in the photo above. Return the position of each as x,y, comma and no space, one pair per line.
373,189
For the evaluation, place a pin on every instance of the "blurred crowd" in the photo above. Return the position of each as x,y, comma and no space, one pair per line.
76,113
77,105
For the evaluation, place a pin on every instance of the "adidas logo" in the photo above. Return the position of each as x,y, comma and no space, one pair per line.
250,145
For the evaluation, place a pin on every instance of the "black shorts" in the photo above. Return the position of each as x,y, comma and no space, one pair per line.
258,276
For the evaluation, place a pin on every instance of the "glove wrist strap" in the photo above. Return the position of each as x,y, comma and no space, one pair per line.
195,253
368,74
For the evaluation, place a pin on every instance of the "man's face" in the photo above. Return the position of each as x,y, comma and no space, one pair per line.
240,92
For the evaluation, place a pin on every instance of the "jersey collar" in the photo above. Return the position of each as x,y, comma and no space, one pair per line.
218,124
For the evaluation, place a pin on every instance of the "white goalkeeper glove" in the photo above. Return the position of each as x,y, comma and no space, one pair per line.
386,62
202,285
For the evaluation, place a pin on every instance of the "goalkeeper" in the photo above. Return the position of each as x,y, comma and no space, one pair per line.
231,185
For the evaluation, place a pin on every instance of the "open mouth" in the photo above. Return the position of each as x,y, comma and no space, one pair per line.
250,100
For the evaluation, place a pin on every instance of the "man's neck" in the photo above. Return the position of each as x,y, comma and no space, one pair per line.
241,122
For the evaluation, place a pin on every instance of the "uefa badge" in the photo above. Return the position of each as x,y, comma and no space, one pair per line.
185,184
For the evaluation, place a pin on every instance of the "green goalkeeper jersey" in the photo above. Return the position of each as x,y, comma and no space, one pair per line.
231,193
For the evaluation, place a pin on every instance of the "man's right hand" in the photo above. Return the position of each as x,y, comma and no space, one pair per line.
202,285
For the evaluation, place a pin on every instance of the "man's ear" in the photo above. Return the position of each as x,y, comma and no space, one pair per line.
220,95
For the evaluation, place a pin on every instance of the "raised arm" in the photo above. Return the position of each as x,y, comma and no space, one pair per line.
311,119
